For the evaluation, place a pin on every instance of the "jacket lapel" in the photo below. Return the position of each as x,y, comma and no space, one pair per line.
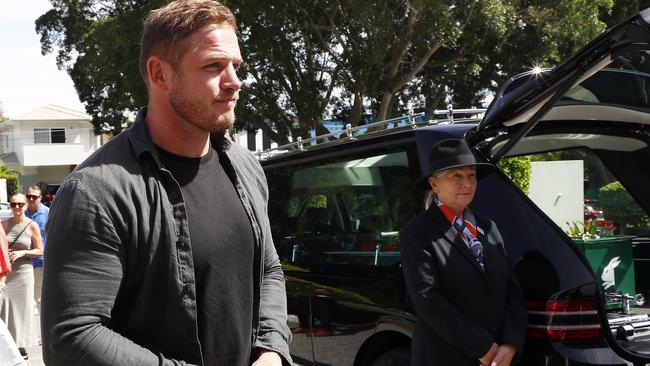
442,226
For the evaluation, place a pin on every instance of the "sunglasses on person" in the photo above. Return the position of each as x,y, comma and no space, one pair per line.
17,204
32,196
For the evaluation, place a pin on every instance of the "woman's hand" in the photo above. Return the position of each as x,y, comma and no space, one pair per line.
17,254
486,360
504,355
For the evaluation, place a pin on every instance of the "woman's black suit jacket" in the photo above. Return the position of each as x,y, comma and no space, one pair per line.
461,309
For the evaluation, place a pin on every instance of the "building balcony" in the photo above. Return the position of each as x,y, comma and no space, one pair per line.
54,154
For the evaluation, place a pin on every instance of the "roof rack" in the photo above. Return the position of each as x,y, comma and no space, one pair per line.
413,120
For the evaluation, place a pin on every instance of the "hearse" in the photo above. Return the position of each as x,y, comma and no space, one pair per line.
338,202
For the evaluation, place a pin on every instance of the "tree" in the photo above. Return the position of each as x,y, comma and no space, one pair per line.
622,10
288,76
305,61
13,180
97,43
522,35
517,168
385,45
2,114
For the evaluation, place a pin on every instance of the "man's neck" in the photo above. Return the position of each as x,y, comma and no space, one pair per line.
33,211
173,134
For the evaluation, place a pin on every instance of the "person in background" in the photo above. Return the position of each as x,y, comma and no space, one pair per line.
24,238
468,303
159,248
39,213
9,354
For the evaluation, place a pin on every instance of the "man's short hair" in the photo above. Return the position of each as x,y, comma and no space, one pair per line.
167,27
35,188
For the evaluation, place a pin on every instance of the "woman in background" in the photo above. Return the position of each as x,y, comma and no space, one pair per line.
468,304
9,354
24,242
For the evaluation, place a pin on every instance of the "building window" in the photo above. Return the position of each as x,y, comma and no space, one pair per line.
49,135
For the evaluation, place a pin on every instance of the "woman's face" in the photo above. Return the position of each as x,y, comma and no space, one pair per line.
455,187
18,206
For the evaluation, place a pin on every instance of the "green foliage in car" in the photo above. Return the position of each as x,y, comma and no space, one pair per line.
317,201
620,207
518,170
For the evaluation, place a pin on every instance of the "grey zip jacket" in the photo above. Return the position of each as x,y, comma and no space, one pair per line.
119,286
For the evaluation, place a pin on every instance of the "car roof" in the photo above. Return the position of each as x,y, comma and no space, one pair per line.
402,132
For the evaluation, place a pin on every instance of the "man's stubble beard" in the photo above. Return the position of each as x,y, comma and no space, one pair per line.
194,114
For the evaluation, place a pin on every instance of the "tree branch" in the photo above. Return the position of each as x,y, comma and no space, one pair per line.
393,67
415,70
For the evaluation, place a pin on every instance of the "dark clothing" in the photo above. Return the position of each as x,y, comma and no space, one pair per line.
461,309
222,250
119,285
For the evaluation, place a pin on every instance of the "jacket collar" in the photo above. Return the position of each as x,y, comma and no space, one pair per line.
441,224
141,142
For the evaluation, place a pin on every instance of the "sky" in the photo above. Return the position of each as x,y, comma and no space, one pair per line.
29,80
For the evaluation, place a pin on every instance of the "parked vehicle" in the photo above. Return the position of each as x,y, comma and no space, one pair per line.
593,211
49,194
5,211
336,209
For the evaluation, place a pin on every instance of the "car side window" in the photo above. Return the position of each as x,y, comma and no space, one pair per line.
342,211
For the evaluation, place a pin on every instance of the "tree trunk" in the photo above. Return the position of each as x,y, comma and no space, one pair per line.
386,99
357,110
433,100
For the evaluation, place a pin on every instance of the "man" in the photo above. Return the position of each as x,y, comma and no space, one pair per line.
159,245
39,213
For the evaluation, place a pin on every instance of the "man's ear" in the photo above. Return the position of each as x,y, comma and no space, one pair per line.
159,73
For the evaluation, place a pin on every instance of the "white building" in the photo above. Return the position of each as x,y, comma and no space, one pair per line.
45,145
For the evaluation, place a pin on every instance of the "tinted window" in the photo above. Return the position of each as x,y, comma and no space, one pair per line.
623,83
342,211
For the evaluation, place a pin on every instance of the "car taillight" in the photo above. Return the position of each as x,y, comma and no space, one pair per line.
559,320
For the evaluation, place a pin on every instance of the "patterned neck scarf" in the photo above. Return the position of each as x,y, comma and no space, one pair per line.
466,228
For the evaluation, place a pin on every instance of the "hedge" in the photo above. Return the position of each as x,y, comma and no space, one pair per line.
518,170
620,207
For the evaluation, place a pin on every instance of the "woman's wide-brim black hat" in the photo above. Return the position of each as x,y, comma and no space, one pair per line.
452,153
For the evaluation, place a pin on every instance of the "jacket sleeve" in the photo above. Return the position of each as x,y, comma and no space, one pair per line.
431,305
513,328
273,331
84,271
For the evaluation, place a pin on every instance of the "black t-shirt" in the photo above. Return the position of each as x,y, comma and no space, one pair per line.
222,243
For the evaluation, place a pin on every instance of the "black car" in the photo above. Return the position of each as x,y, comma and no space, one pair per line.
49,193
336,209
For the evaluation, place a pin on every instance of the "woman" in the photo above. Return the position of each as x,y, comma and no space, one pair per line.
24,238
9,354
469,307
